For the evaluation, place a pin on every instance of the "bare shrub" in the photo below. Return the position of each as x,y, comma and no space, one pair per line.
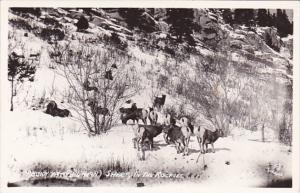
115,40
170,109
91,64
22,24
52,34
214,92
162,80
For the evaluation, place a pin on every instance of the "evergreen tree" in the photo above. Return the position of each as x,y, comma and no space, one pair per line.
291,28
181,21
227,16
288,24
82,24
262,17
34,11
131,16
18,70
282,23
244,16
135,17
273,20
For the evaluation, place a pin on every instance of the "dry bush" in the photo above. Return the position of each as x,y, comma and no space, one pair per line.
22,24
91,64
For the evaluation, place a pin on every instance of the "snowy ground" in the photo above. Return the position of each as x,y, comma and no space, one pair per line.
40,141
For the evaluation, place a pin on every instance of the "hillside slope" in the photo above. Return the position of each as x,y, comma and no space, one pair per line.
234,78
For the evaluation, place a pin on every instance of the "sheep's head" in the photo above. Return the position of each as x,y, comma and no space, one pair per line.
133,106
66,112
221,133
91,103
121,110
124,119
105,111
166,128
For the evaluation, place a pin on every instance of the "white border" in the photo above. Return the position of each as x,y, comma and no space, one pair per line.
295,5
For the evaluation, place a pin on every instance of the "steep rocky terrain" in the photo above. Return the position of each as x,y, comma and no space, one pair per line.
231,77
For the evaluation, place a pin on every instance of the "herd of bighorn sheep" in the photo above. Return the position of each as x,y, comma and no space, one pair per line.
174,131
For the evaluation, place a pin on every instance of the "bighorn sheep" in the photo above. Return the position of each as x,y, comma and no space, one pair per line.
135,116
53,110
175,135
209,137
98,109
153,117
147,133
159,101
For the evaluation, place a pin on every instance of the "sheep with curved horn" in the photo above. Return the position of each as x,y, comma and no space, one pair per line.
98,109
159,101
87,87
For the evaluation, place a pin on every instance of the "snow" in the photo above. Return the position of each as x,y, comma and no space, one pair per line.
288,38
212,16
238,58
162,35
63,142
278,54
243,27
204,51
260,31
149,16
45,139
113,25
237,36
76,11
61,11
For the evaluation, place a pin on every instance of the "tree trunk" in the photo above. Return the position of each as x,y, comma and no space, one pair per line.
97,124
103,125
86,116
263,133
12,96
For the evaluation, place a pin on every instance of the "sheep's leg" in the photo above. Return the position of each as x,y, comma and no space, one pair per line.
213,148
177,146
138,144
180,146
199,142
206,147
143,155
134,142
203,148
182,142
187,145
151,144
183,147
166,138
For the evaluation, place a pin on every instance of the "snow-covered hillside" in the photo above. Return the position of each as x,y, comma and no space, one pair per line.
231,78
